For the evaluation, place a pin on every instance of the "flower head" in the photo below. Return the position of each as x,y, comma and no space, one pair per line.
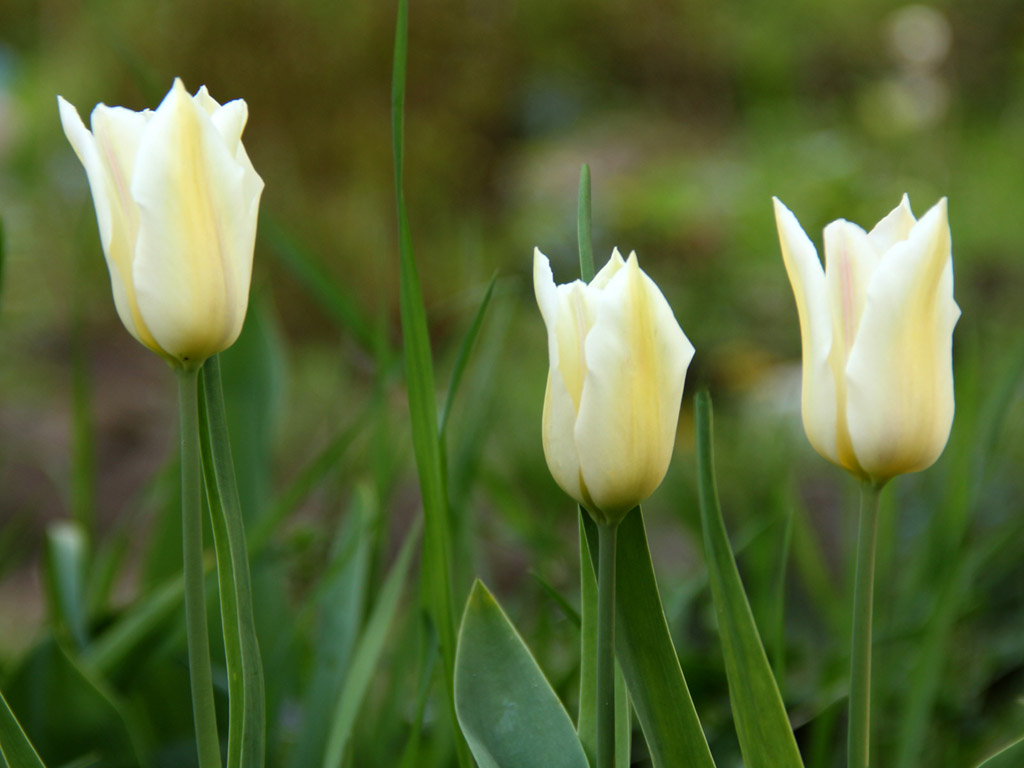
618,361
176,201
877,328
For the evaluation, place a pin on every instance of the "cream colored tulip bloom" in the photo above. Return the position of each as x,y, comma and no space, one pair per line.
176,202
618,361
877,329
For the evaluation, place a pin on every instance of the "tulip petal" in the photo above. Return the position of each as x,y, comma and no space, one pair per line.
196,231
636,361
806,276
109,158
559,408
899,374
608,271
893,228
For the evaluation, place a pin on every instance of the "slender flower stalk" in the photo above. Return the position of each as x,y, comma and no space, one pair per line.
204,714
606,645
858,746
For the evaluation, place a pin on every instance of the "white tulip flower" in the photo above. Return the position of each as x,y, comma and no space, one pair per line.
176,201
618,362
877,328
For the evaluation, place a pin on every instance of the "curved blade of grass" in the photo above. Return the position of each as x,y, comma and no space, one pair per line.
646,654
247,715
322,287
462,358
564,605
419,371
1009,757
306,482
368,653
765,735
508,711
15,747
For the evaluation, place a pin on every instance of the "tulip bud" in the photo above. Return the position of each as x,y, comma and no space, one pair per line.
877,329
176,202
618,361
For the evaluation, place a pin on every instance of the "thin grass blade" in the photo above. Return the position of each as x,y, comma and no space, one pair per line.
462,357
419,371
341,598
367,654
762,725
1009,757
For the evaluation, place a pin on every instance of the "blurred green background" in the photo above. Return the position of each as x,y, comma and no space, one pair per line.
691,115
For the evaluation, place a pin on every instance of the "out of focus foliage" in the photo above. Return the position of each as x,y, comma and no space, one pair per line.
692,115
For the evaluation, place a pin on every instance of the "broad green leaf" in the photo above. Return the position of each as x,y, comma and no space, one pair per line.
508,711
367,654
65,567
247,715
15,748
340,600
586,723
69,712
1009,757
419,370
646,655
765,735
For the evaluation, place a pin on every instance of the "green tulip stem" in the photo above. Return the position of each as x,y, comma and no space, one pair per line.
606,645
858,748
207,739
583,227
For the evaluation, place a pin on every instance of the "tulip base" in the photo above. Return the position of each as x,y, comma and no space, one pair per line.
200,677
859,733
606,645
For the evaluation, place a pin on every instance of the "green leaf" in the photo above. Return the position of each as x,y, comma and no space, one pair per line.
15,747
1009,757
247,715
367,654
765,735
65,567
341,598
508,711
419,370
647,656
68,711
